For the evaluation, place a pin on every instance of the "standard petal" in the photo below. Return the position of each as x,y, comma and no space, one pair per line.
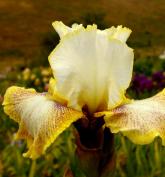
92,69
141,121
62,29
40,119
120,33
53,92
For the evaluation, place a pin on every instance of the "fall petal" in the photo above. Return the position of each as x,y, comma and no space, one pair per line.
40,118
141,121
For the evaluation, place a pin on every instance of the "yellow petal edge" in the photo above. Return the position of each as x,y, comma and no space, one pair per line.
40,119
141,121
120,33
63,30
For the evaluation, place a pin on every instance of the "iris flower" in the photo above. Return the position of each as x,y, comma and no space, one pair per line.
92,69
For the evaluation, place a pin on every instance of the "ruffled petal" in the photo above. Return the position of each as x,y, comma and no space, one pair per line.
141,121
62,29
40,119
92,69
120,33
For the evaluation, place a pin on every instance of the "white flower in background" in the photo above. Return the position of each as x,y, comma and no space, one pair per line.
162,56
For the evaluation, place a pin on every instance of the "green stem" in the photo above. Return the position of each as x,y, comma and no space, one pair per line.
121,171
138,159
124,145
140,166
157,155
32,169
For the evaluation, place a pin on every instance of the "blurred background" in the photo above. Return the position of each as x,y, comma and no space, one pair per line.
26,39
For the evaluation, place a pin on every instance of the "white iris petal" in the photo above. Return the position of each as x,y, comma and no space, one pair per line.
92,69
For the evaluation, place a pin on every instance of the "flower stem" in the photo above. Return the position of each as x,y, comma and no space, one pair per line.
138,158
124,145
32,169
121,171
157,155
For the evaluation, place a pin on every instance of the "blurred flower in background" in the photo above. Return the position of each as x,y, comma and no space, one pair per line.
158,79
162,56
37,77
141,83
1,98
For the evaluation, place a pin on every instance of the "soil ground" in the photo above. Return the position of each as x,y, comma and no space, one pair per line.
23,24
